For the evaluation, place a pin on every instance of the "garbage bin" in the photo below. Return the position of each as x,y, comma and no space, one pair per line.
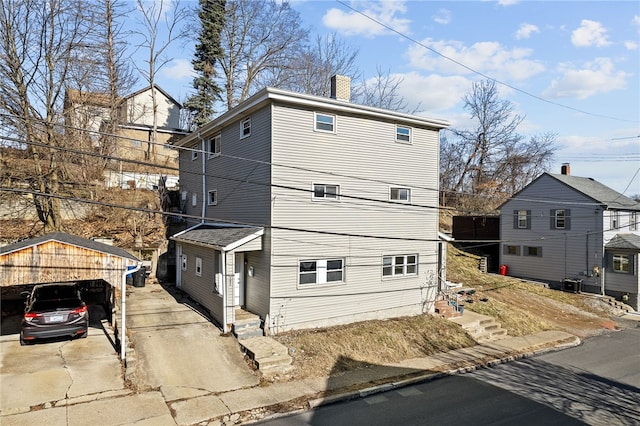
504,269
129,279
572,285
139,276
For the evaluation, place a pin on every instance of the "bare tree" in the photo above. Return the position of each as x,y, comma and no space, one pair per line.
39,42
484,165
162,26
258,37
382,91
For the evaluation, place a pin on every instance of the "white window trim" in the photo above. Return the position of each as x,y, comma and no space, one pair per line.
321,273
404,268
408,200
524,218
410,141
194,154
626,261
194,200
313,192
564,219
209,202
184,262
246,120
198,266
217,146
633,221
615,219
315,122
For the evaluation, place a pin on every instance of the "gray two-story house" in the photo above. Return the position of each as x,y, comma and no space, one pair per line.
564,229
310,211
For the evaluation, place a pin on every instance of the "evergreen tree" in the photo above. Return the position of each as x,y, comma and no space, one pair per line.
208,51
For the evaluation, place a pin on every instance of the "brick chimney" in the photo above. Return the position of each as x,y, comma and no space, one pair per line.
341,88
565,169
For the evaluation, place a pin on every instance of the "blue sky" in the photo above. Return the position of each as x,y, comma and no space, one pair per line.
581,57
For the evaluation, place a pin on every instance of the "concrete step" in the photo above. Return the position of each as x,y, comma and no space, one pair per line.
267,354
277,362
248,333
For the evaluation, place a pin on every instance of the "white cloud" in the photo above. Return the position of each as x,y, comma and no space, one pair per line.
486,57
595,77
636,20
526,30
443,16
590,33
507,2
631,45
178,69
432,92
354,23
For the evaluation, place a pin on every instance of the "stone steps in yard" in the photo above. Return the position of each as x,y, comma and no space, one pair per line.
246,325
481,328
267,354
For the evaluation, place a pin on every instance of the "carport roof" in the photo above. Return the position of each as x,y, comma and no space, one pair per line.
63,237
219,236
624,241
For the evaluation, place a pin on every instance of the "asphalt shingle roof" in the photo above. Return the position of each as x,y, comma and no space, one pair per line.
68,239
624,241
216,235
599,192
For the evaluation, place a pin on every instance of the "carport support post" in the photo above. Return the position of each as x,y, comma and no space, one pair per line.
123,302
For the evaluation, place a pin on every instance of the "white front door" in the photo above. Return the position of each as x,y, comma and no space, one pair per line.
238,282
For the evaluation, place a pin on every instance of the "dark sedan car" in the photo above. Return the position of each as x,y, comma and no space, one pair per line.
54,310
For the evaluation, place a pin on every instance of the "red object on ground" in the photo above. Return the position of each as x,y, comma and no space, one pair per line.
504,269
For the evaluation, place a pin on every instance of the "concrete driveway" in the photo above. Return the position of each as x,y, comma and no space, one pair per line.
177,348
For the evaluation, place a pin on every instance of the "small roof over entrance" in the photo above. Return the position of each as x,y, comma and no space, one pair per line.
222,236
624,241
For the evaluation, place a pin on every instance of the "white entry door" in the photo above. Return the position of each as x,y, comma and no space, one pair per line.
238,291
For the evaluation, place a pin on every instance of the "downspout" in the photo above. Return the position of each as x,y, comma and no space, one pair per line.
123,324
223,271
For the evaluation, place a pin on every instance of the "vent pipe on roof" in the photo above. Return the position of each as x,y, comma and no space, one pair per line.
565,169
341,88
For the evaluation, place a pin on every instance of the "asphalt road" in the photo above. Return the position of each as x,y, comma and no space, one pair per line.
597,383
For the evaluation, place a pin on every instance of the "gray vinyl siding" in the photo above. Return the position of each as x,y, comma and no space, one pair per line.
201,288
191,180
566,253
618,283
363,158
257,288
241,175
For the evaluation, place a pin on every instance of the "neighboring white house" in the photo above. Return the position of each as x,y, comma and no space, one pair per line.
569,230
314,211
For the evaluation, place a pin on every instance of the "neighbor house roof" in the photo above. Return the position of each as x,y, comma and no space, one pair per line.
158,88
624,241
219,236
601,193
68,239
271,94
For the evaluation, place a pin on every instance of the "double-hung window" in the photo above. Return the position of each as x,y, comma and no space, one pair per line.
403,134
522,219
615,219
400,194
323,191
245,128
621,263
560,219
400,265
325,122
321,271
633,221
215,145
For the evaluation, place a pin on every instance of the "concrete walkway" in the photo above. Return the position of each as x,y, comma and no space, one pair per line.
188,373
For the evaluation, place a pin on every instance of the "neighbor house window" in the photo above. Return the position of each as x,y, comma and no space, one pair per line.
184,262
214,146
621,263
321,271
512,250
212,197
523,219
400,194
194,154
633,221
533,251
403,134
615,219
199,266
402,265
325,122
325,192
194,200
560,219
245,128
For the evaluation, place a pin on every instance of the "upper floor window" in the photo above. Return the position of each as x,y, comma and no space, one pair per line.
215,144
394,266
321,271
323,191
212,197
245,128
522,219
621,263
560,219
615,219
325,122
633,221
403,134
400,194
